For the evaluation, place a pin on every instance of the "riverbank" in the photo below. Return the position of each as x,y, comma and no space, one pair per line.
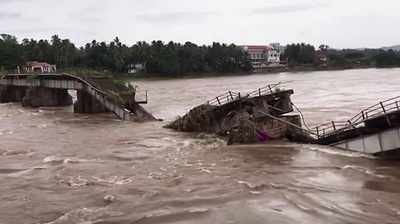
265,71
155,76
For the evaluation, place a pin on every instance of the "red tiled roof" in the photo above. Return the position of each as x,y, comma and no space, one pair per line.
258,47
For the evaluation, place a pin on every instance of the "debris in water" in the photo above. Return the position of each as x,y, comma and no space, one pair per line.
204,170
256,117
251,185
109,199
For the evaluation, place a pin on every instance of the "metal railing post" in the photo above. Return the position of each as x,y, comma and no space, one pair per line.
386,116
351,124
230,93
383,107
333,125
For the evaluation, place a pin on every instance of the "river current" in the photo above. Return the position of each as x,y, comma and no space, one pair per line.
57,167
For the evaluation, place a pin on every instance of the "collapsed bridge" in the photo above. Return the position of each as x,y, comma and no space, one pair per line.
375,130
261,115
244,118
52,90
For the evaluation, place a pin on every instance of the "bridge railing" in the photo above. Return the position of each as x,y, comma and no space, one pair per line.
141,97
266,90
231,96
228,97
117,108
380,109
72,82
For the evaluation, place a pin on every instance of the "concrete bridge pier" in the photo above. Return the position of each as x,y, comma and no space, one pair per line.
52,90
12,93
87,104
46,97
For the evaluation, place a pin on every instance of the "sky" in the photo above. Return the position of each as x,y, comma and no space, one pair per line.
337,23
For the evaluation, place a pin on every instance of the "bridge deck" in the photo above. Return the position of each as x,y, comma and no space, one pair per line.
232,96
67,81
373,130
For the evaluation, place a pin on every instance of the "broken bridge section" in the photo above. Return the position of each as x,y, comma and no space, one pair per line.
52,90
243,118
375,130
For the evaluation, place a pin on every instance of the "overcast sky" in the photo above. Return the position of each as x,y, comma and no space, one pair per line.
338,23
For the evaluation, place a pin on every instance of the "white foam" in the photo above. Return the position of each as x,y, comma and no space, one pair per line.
58,159
115,180
364,170
86,216
336,151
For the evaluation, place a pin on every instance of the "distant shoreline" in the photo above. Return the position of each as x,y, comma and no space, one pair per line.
155,76
266,72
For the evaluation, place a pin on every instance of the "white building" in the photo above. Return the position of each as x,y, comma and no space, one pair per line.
274,56
279,47
263,56
135,68
39,67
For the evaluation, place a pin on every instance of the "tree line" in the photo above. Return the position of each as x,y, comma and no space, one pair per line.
306,54
175,58
162,58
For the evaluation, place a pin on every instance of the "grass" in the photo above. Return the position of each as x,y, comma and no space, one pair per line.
87,72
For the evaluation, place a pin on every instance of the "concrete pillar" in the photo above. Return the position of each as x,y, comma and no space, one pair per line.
266,104
46,97
284,103
87,104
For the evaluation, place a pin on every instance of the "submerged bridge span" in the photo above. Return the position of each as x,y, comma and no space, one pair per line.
33,90
375,130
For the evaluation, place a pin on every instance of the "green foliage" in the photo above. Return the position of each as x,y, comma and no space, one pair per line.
305,54
387,58
366,57
87,72
2,70
120,90
10,52
299,54
104,60
338,58
120,84
115,57
176,59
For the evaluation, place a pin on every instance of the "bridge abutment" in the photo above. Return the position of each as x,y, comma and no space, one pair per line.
52,90
46,97
87,104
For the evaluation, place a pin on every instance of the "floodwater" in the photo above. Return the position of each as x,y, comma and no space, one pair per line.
57,167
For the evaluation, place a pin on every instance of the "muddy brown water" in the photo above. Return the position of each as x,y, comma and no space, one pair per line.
60,168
